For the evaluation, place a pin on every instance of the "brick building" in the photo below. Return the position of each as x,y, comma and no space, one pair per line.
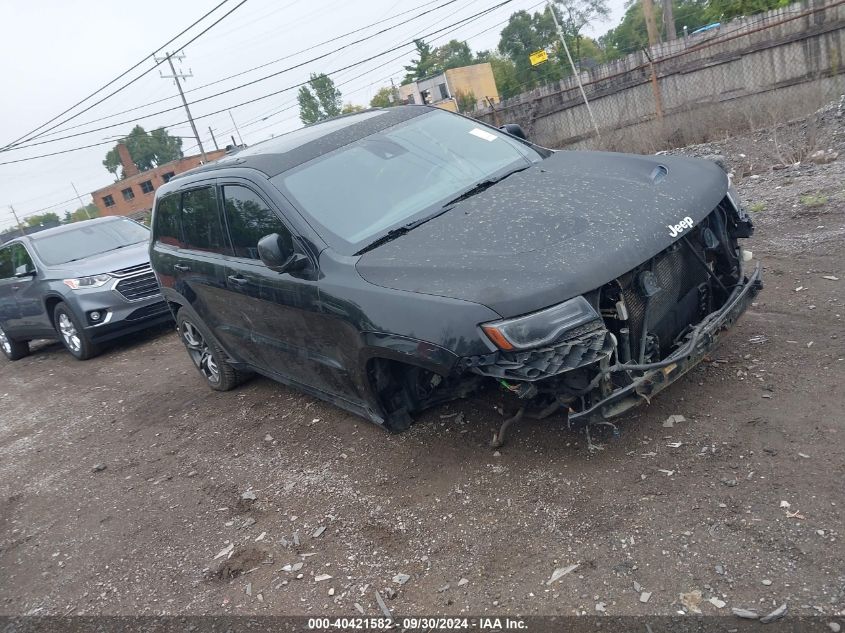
133,196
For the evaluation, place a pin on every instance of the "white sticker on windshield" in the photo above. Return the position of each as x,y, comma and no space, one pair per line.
482,134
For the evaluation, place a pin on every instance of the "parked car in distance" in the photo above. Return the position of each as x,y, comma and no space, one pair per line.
394,259
83,283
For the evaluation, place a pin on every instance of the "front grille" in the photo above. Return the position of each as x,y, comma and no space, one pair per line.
139,286
680,277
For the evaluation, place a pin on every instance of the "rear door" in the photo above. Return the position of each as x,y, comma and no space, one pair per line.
189,249
273,315
9,310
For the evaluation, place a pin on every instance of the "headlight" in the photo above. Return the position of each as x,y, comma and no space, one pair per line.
94,281
540,328
733,196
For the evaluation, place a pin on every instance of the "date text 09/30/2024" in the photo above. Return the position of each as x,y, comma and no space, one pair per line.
417,623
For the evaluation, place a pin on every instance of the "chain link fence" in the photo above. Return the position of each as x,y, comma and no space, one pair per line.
751,73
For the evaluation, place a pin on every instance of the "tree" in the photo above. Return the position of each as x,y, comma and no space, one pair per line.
42,218
466,101
504,73
146,149
82,213
453,54
349,108
631,34
384,98
720,10
422,67
319,99
524,34
574,15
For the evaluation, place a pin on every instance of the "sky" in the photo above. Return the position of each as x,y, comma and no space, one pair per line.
55,53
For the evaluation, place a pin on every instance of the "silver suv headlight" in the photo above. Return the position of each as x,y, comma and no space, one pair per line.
540,328
95,281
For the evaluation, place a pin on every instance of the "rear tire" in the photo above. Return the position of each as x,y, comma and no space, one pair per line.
14,350
72,334
206,355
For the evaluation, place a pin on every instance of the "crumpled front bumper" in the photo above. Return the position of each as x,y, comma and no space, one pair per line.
649,382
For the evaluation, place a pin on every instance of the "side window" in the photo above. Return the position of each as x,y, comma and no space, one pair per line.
201,228
7,270
21,261
166,226
249,220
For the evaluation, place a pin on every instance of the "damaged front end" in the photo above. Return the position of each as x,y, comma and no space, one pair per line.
598,355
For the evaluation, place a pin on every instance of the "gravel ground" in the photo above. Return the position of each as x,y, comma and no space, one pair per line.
128,487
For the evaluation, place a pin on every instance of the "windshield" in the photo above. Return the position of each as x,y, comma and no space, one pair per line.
88,240
357,193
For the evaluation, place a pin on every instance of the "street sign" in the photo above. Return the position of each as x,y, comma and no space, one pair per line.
538,57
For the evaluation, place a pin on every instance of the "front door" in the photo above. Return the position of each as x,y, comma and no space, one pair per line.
32,314
273,313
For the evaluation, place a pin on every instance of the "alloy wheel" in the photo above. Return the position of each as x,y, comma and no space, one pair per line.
69,334
5,343
200,352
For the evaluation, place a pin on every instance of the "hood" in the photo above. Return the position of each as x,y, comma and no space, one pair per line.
125,257
562,227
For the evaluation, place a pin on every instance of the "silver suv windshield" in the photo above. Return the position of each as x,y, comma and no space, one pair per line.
357,193
88,240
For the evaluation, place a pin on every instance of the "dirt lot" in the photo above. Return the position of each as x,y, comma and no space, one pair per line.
742,501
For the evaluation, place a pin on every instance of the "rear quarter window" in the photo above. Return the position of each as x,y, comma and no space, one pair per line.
166,225
7,269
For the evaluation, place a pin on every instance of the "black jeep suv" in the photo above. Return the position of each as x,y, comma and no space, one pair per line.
393,259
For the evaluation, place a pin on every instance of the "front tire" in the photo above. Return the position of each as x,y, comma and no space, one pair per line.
72,334
206,355
14,350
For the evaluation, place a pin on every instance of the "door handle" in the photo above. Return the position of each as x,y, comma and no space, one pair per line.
238,280
182,268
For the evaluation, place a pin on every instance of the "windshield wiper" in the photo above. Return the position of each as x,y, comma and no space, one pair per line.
482,186
392,234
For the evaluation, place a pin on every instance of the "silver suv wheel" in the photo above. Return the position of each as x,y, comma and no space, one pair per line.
5,343
69,333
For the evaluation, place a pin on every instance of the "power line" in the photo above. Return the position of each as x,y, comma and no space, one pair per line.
264,65
250,83
18,145
347,81
119,77
292,104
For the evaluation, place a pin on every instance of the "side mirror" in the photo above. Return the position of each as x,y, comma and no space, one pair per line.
30,272
279,253
514,129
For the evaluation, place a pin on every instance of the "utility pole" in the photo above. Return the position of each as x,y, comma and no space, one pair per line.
210,131
394,92
17,221
669,20
240,138
651,25
78,197
655,86
572,65
176,77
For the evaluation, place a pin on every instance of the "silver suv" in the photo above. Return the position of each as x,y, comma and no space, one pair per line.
83,283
